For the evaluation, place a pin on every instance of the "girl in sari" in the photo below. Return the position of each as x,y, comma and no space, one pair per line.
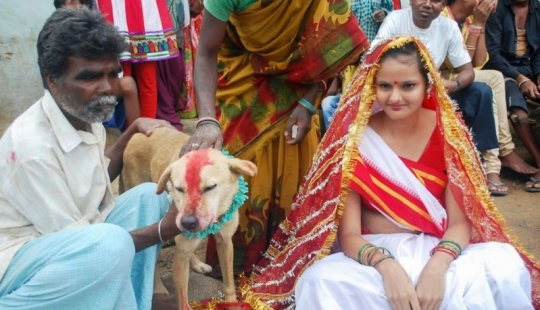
398,181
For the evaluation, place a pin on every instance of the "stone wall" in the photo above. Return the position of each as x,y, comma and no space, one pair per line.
20,82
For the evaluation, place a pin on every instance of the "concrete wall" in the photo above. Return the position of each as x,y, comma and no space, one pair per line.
20,83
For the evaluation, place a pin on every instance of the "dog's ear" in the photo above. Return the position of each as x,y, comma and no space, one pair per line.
244,167
164,179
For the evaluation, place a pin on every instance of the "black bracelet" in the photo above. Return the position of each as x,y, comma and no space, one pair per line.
458,84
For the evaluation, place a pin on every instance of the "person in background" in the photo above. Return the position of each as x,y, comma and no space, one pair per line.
74,3
471,17
370,14
149,33
513,40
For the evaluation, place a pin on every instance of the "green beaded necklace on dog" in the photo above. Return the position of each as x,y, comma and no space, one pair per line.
239,198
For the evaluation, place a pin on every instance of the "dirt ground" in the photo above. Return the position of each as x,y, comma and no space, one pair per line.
520,209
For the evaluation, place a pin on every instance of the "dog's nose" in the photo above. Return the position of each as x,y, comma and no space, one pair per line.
189,223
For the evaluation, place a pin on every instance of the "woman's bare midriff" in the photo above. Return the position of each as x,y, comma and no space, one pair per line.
376,223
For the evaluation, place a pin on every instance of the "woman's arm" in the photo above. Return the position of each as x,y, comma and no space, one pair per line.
476,41
205,80
397,285
430,287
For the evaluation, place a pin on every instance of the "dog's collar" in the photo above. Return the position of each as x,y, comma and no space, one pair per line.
239,198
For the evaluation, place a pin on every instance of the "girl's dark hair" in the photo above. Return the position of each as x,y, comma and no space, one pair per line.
80,33
409,49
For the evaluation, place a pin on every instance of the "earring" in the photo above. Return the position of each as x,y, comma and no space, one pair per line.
428,92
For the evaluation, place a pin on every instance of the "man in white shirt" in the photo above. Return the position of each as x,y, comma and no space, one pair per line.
65,243
443,39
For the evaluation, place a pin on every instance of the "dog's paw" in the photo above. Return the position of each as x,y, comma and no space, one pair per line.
201,267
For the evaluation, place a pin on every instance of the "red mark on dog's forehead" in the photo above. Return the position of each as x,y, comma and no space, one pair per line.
195,162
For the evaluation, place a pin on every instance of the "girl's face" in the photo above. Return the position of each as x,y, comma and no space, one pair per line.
400,86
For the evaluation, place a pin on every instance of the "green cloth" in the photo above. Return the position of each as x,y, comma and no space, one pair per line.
222,9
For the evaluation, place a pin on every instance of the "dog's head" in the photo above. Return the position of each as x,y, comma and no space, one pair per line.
204,183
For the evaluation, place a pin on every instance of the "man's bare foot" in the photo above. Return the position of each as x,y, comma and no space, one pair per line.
164,302
495,185
516,163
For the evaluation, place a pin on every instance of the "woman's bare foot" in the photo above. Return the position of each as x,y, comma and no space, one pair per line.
495,185
516,163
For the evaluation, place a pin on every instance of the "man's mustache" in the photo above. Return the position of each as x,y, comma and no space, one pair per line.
103,100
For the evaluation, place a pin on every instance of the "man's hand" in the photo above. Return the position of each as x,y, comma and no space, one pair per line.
169,229
530,90
301,117
450,86
147,125
204,137
379,15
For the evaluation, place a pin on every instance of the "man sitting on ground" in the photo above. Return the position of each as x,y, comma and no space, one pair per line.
65,241
513,39
471,17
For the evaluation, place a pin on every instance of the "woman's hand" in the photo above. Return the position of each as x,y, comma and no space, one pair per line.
300,117
205,136
482,11
430,286
397,285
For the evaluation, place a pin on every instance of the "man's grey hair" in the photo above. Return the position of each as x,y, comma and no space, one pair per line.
80,33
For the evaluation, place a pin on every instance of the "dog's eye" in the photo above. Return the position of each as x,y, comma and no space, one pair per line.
209,188
181,190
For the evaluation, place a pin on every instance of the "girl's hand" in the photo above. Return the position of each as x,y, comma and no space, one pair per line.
397,285
430,286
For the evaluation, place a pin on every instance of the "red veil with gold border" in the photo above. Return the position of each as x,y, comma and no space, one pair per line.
309,231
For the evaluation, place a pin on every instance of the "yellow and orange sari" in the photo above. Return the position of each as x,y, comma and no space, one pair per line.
309,232
271,53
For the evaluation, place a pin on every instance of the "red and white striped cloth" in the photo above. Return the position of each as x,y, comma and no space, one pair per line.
146,25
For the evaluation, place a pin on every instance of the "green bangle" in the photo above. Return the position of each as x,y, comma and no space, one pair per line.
208,122
455,244
307,105
362,250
